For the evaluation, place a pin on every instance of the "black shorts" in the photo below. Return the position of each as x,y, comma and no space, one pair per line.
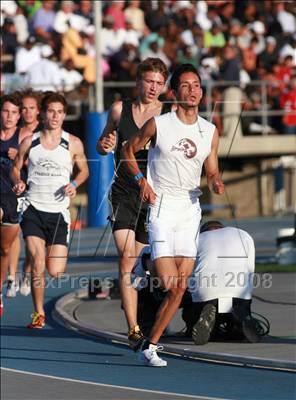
51,227
8,204
129,213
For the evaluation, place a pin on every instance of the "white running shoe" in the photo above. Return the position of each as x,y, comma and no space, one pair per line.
12,287
25,287
150,357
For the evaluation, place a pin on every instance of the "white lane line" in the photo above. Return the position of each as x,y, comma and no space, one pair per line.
187,396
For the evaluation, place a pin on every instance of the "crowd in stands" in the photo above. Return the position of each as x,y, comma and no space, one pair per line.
233,43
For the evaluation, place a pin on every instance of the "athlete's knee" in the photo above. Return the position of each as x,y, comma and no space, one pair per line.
176,293
5,249
54,273
127,262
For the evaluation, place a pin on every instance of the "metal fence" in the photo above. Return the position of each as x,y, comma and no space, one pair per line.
210,108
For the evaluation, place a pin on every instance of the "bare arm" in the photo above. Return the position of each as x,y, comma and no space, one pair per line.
214,181
79,158
24,132
136,143
20,159
107,141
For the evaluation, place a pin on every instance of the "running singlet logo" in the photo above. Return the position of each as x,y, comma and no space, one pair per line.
187,146
48,167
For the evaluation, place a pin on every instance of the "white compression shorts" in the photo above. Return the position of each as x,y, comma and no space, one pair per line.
173,226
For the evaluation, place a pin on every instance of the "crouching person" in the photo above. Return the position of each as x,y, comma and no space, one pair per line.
221,286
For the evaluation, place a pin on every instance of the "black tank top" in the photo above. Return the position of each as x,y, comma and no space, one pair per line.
127,127
6,163
39,127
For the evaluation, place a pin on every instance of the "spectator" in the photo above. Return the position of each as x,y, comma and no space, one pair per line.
184,14
288,103
155,51
289,49
85,11
209,68
131,35
173,42
73,49
158,37
8,10
249,58
111,40
194,38
235,32
69,76
135,15
157,18
203,15
116,11
21,24
244,38
226,15
27,55
285,70
30,7
124,63
43,20
64,17
9,45
246,12
187,56
214,37
45,75
270,54
285,18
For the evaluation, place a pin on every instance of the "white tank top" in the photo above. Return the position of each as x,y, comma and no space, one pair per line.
48,172
175,162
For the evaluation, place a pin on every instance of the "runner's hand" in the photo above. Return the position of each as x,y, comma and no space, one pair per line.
218,186
19,188
70,190
12,152
108,142
146,192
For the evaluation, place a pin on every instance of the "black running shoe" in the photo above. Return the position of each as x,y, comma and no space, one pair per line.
249,330
135,338
202,330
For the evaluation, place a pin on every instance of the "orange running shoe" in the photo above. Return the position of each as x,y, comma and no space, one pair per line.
38,321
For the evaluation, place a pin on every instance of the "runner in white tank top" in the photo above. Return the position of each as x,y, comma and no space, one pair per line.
174,170
51,155
181,142
49,170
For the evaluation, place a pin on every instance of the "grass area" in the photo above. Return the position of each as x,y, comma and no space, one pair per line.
275,268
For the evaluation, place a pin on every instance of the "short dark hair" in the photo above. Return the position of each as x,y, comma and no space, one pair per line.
53,97
182,69
211,225
13,98
32,94
152,64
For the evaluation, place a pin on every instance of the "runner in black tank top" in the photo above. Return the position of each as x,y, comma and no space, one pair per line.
31,103
128,215
128,211
10,139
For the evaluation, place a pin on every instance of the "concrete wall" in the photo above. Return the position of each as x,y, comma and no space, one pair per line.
252,191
